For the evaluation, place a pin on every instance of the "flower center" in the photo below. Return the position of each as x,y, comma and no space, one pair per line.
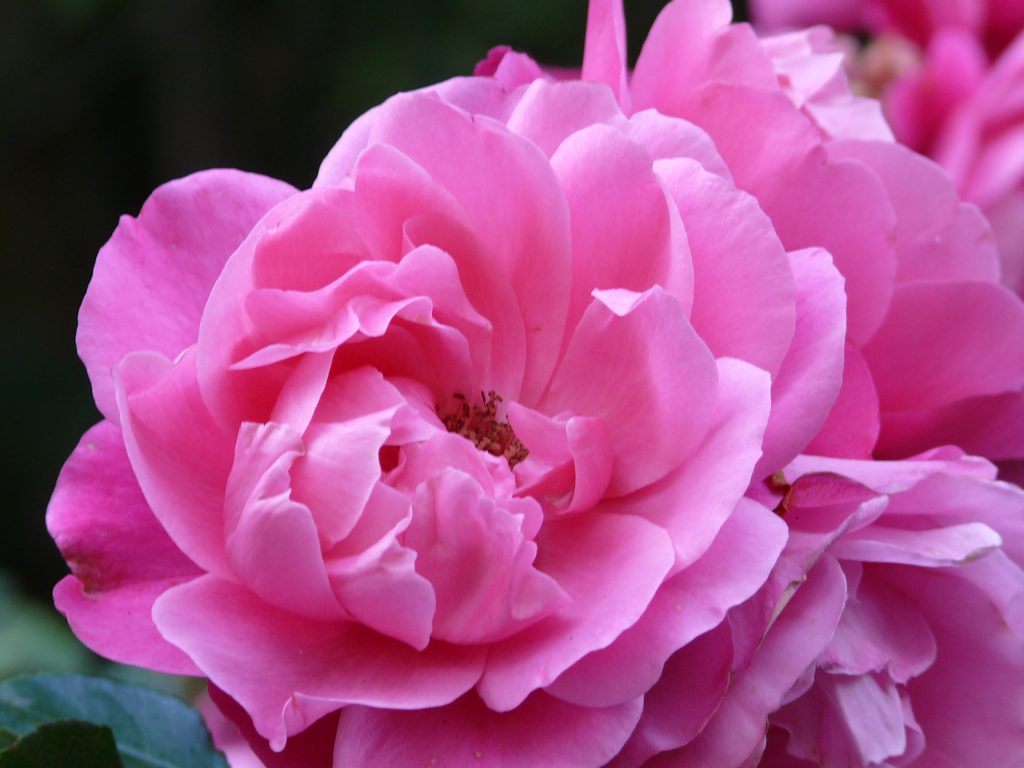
481,426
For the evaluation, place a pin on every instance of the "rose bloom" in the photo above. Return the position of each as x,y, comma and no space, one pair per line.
490,448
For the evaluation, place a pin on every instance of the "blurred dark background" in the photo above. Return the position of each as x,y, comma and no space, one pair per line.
103,100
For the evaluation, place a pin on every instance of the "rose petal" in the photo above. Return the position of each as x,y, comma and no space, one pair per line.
121,559
540,731
288,671
577,552
604,54
153,276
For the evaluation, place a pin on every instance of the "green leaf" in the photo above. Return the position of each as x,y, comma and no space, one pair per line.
67,743
151,729
7,738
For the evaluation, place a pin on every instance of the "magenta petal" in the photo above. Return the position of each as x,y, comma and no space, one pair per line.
970,703
288,671
812,372
180,456
604,55
542,731
799,634
980,325
636,362
691,687
154,275
852,427
689,604
611,566
952,545
121,559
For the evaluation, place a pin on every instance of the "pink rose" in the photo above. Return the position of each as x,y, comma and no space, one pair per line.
946,100
993,22
460,455
917,566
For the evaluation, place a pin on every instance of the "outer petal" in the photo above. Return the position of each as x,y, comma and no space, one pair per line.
288,671
979,326
692,43
120,557
636,362
604,55
794,641
812,372
851,429
937,236
180,456
577,552
691,603
540,731
153,277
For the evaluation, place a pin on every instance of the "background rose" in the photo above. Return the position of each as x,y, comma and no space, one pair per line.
950,76
993,22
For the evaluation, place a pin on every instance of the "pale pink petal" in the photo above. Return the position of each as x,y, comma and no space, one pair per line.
611,566
623,234
689,604
667,137
521,212
374,575
979,326
153,277
271,539
743,294
604,55
179,455
852,427
551,111
401,208
540,731
635,362
799,634
692,43
288,671
479,561
694,502
121,560
812,372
